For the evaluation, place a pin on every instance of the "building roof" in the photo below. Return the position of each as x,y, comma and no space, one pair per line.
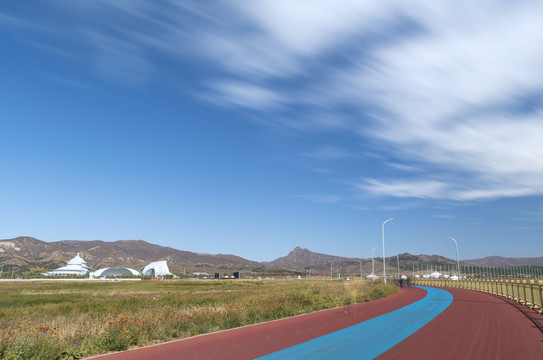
77,260
115,271
156,268
76,266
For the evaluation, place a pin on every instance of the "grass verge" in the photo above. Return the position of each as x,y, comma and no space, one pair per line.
63,320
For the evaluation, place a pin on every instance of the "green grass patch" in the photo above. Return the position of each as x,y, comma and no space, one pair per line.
58,320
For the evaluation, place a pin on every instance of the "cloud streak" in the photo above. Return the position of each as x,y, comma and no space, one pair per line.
449,94
439,88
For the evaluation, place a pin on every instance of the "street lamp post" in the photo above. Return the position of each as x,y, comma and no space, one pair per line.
360,261
457,261
384,258
372,262
331,271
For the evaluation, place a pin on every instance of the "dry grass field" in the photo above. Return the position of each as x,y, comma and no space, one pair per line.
61,320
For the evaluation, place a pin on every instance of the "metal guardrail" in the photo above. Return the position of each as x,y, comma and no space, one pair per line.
525,292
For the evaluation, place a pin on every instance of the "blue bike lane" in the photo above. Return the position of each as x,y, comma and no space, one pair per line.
373,337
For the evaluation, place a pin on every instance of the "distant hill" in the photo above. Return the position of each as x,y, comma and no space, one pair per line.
505,261
28,251
303,258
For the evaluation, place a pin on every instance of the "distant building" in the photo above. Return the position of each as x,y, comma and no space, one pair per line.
200,274
157,268
76,266
115,271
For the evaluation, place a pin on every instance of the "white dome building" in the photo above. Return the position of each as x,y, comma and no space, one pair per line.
157,268
76,266
115,271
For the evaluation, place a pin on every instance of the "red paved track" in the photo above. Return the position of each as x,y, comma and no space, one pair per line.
476,326
258,340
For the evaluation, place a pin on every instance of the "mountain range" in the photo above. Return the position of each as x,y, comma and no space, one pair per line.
26,253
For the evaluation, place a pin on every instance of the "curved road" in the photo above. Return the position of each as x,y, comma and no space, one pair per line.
474,326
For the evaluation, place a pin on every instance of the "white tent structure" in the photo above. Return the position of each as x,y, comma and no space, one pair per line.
76,266
115,271
157,268
435,275
372,277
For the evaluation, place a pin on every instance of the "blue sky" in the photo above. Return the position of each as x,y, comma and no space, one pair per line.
252,127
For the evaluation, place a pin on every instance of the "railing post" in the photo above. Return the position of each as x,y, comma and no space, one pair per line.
523,301
532,298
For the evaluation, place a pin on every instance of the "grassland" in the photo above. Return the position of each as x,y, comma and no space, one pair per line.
62,320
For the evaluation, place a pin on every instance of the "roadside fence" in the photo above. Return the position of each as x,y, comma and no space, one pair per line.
525,292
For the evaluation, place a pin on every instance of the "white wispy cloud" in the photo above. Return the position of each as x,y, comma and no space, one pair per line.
245,95
448,95
532,216
72,83
440,88
329,199
404,189
442,216
119,59
329,153
308,28
10,21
